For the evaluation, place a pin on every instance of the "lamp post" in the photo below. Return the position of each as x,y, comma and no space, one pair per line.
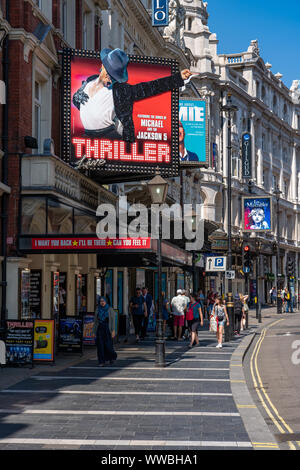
229,109
258,245
277,193
158,188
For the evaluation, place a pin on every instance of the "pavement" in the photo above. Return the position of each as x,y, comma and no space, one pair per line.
201,400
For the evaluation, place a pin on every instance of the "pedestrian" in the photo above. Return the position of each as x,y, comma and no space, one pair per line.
201,298
288,301
274,296
238,310
179,305
244,299
194,318
105,330
138,310
186,334
210,302
220,313
150,309
165,313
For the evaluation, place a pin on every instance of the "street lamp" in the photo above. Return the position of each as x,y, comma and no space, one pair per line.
158,188
277,193
229,109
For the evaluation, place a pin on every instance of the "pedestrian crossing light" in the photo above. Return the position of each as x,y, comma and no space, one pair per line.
247,262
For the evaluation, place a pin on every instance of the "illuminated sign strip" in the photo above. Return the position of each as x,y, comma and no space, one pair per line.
91,243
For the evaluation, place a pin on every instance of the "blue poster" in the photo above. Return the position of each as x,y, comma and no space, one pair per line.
192,132
160,12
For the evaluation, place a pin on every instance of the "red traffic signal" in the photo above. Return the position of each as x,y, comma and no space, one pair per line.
246,248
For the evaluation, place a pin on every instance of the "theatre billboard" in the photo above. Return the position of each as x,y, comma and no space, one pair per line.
120,130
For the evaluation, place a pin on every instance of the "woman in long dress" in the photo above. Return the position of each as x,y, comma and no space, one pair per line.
104,328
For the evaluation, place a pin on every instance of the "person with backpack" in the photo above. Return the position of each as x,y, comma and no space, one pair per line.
220,314
238,314
194,317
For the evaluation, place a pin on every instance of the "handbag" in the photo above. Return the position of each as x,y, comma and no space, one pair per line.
213,324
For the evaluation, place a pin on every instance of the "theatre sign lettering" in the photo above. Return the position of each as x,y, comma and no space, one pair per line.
121,113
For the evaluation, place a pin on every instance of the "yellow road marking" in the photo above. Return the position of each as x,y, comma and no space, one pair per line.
275,421
246,406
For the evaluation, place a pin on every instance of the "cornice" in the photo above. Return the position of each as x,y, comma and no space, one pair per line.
32,44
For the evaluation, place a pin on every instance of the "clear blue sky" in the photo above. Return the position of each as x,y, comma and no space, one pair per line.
275,24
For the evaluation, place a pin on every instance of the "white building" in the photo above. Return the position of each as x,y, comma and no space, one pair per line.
271,113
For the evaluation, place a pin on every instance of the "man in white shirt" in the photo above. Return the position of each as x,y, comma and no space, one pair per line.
97,110
179,305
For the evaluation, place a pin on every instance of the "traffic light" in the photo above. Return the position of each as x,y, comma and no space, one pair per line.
247,261
290,267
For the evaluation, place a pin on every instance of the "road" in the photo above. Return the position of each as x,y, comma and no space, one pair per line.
130,405
272,369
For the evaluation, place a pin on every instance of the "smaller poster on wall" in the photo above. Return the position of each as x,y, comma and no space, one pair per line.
19,342
70,334
257,214
193,133
44,332
89,338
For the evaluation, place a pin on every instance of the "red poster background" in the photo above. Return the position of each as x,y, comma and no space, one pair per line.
159,105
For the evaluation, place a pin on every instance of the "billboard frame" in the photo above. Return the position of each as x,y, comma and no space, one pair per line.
110,171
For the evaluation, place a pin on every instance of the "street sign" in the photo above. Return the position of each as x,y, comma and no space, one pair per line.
160,12
246,155
230,275
214,263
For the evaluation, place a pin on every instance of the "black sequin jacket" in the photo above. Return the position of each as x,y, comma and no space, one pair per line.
125,95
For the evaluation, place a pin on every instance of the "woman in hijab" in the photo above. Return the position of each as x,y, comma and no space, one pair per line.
104,328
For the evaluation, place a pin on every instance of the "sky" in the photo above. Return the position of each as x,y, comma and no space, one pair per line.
275,24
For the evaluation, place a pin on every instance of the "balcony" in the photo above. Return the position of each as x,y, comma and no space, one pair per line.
48,174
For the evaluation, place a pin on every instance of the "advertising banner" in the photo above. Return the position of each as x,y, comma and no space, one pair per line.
89,338
193,144
35,294
70,243
44,332
19,342
246,155
96,139
160,13
70,334
257,214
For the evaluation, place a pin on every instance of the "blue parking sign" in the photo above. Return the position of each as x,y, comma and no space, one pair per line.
160,12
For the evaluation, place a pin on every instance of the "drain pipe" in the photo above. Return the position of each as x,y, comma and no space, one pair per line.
4,204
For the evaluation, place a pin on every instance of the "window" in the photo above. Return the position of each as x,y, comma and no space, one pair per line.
33,215
274,103
64,17
85,30
286,189
42,103
37,112
263,142
263,93
60,217
46,8
274,181
189,23
236,165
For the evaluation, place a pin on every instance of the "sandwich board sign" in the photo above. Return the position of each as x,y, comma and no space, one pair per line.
215,263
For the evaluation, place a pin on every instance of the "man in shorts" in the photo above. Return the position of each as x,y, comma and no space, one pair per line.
178,305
